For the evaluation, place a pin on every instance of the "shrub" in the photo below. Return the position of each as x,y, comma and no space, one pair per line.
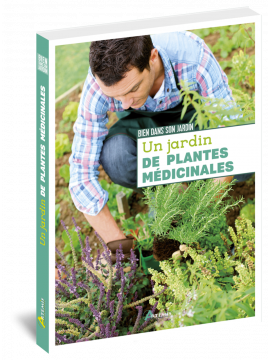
205,287
187,216
94,301
62,145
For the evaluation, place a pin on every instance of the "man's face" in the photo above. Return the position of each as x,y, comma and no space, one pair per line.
134,89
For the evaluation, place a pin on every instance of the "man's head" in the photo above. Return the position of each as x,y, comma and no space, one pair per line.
125,68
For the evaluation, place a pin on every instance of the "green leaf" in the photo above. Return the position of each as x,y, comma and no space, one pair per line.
62,145
64,172
249,311
232,313
201,319
249,291
224,53
228,287
70,112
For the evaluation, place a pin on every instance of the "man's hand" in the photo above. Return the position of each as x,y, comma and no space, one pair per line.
105,225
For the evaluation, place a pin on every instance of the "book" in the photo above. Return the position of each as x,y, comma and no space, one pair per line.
167,153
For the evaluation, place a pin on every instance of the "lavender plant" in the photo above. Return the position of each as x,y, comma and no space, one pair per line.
97,300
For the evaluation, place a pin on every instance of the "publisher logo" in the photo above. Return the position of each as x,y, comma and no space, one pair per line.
149,315
42,63
41,318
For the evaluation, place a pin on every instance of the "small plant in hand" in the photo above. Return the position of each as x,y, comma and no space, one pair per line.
95,300
186,217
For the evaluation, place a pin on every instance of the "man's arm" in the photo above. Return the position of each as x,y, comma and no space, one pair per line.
105,225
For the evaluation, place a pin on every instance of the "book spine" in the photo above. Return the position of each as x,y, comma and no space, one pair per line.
42,192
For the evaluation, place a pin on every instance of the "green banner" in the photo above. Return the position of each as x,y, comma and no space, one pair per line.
42,195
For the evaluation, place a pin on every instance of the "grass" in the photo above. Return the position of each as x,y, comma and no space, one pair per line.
71,66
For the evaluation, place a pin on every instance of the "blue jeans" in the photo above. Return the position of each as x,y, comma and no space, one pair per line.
119,160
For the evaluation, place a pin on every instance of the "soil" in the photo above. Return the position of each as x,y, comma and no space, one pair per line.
164,248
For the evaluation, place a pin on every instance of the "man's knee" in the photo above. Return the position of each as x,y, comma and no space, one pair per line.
119,160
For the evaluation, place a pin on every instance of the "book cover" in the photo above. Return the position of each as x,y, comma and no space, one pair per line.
146,162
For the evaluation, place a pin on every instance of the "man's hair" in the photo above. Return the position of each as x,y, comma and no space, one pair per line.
110,60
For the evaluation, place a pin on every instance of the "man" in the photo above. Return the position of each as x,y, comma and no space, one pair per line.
142,75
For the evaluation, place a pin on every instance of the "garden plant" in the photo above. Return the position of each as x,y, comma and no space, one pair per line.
95,300
187,217
204,286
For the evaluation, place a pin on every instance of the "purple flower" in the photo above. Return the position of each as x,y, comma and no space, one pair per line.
108,296
97,259
123,280
107,331
73,273
62,315
72,288
61,257
95,313
149,319
119,314
140,310
76,322
63,338
60,269
106,249
83,286
113,332
135,296
102,330
119,258
111,307
101,294
77,229
61,288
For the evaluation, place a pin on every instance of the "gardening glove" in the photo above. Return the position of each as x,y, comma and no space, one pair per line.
127,244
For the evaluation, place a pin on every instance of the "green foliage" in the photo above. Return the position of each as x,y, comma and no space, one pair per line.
187,216
69,116
76,244
113,190
64,172
248,211
142,233
70,112
243,71
241,78
100,288
213,239
57,215
62,145
208,304
212,113
204,286
230,37
244,242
